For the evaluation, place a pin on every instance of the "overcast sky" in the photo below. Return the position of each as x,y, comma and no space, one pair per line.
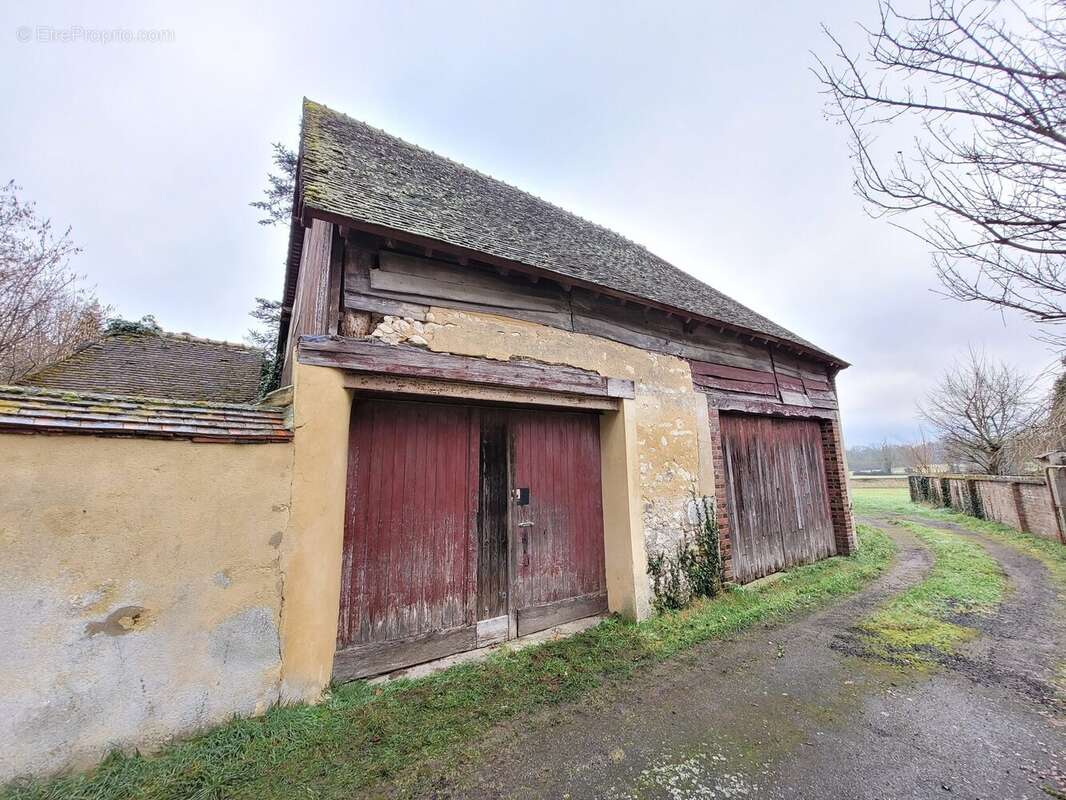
695,129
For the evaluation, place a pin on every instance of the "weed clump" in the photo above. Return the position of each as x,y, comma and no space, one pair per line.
694,569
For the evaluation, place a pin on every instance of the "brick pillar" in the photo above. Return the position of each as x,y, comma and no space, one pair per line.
725,538
836,477
1019,507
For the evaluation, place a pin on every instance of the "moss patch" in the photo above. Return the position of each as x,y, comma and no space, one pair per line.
927,620
408,732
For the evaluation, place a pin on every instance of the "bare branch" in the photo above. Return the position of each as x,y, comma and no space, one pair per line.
45,313
983,181
982,411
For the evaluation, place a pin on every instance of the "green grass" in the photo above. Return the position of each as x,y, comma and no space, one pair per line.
964,579
1049,551
405,732
897,501
879,500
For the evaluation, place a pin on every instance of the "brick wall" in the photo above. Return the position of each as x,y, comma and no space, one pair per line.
1021,502
836,476
1037,508
725,538
997,503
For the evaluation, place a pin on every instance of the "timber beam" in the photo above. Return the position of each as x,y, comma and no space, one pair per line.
367,356
745,406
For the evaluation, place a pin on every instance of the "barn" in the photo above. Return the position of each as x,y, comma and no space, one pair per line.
492,413
529,400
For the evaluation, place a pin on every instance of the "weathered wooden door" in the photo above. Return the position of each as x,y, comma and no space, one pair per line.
465,526
556,519
778,501
409,565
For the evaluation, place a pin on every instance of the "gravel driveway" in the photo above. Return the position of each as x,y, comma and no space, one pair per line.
794,711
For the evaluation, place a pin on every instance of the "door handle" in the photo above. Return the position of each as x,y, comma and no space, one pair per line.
525,524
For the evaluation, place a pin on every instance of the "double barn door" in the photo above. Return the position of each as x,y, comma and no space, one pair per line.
465,526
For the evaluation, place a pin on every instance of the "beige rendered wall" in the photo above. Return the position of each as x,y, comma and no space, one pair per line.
311,554
625,551
139,592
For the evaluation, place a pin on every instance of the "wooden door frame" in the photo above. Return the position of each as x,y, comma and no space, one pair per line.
371,658
311,560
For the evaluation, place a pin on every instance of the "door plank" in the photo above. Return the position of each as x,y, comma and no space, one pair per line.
548,615
557,539
375,658
493,575
409,559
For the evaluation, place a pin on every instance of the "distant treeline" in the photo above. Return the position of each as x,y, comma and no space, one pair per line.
888,457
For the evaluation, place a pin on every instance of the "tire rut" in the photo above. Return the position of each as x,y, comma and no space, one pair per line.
574,750
1023,640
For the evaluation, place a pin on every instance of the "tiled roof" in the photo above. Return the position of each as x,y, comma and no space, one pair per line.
28,410
353,170
175,366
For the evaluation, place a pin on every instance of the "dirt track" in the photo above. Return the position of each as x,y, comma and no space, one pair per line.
790,711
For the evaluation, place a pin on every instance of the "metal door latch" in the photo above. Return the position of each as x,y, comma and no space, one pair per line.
525,524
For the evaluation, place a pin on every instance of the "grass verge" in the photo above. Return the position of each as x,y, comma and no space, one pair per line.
406,731
1050,552
924,621
897,502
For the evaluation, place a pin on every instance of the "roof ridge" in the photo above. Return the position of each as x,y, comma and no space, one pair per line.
178,335
189,337
468,168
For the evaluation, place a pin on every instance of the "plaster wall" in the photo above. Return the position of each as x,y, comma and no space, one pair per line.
311,554
139,592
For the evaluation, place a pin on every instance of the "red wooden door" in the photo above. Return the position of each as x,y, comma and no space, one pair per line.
556,519
409,561
776,493
440,555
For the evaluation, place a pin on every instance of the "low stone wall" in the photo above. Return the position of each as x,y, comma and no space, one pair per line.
140,590
878,482
1023,502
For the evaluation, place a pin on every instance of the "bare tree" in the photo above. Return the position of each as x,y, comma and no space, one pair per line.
886,452
982,410
277,206
920,457
979,89
45,312
277,197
